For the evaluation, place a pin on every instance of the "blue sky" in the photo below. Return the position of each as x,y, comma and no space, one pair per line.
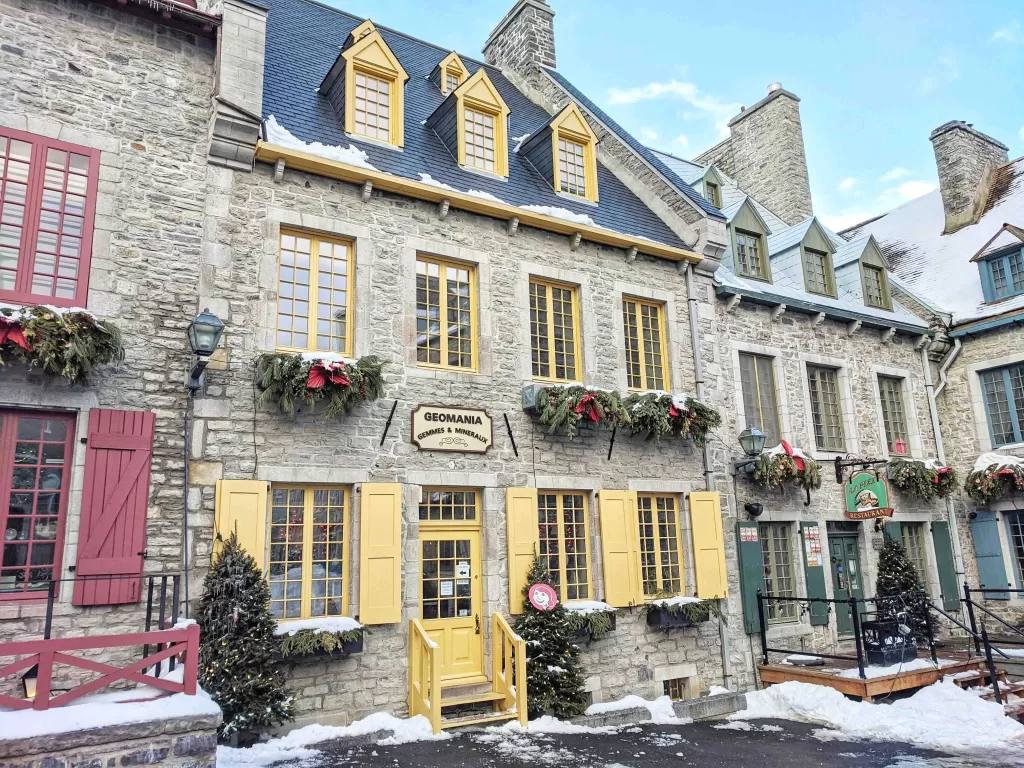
874,77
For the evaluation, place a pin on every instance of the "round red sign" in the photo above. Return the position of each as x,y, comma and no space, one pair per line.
543,597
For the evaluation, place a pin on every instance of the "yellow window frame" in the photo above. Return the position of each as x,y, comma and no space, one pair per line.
369,55
656,539
479,94
647,382
308,543
443,265
452,522
314,293
549,285
560,525
571,125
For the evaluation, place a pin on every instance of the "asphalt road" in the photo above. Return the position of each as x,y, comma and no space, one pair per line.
769,743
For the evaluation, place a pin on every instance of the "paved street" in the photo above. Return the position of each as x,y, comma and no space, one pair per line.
766,744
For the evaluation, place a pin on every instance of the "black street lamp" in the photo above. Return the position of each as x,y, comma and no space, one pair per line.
203,335
751,441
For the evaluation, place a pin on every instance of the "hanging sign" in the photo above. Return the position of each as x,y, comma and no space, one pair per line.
867,496
543,597
440,428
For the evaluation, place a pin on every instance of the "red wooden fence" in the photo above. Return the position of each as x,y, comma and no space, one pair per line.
47,653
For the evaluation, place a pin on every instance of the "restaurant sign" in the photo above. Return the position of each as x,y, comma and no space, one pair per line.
867,496
440,428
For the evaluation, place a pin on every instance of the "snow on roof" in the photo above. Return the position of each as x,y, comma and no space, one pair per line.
922,257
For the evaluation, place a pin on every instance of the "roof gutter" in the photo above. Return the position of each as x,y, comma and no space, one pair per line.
980,326
303,161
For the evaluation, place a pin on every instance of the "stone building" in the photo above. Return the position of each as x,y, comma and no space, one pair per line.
103,131
959,249
812,345
492,238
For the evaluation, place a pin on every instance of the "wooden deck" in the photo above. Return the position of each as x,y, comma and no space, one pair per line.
866,690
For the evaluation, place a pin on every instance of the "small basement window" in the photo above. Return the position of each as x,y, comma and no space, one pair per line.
675,688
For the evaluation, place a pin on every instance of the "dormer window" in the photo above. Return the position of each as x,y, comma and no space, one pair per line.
449,74
750,256
452,81
572,166
564,151
713,193
818,272
1003,276
876,287
473,124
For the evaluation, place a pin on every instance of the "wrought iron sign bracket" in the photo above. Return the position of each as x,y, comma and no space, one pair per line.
851,462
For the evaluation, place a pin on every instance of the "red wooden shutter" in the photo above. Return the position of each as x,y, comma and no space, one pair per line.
112,533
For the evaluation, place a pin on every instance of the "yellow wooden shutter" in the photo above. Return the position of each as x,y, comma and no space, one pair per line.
242,509
708,544
620,547
380,553
522,532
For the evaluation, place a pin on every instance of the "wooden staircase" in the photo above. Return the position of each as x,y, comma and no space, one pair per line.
501,699
1011,693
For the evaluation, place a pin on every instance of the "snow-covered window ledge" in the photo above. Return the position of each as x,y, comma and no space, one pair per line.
317,639
591,619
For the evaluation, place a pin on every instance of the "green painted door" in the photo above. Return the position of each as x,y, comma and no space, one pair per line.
847,578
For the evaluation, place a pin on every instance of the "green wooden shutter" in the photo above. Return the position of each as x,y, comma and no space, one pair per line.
948,582
748,548
810,533
893,531
989,553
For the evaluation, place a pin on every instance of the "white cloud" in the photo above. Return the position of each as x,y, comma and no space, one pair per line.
712,106
648,134
684,141
895,173
947,71
889,199
847,184
908,190
1011,33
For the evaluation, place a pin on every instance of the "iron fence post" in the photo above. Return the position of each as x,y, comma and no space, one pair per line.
970,614
991,666
163,622
857,637
762,623
928,627
175,610
51,590
149,614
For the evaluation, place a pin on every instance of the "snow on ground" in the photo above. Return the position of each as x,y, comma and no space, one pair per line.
282,137
941,716
560,213
1013,652
743,725
661,709
895,669
295,746
333,624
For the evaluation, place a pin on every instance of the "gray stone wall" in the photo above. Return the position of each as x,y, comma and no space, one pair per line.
765,156
140,93
962,157
524,38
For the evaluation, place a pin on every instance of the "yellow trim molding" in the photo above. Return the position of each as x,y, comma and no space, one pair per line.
479,94
451,65
370,55
572,126
303,161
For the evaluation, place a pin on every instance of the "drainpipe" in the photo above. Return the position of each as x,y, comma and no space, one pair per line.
709,478
940,451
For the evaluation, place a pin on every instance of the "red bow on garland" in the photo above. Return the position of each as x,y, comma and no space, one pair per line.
320,373
939,471
588,406
10,330
798,461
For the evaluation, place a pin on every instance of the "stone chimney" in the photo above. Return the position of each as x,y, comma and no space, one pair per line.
524,39
764,154
963,158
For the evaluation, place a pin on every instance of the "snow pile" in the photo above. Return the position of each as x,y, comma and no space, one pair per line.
282,137
20,312
560,213
941,716
548,724
295,746
797,453
668,602
327,357
519,141
988,462
332,624
661,709
717,690
426,178
485,195
587,606
894,669
1012,652
799,658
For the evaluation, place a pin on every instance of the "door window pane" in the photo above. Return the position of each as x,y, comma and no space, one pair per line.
444,594
448,504
776,557
913,542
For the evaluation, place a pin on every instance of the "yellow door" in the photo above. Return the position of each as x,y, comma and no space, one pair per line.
451,600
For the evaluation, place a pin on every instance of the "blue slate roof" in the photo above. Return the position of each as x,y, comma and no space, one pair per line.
304,39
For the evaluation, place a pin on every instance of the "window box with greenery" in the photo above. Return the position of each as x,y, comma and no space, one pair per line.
60,342
334,637
659,414
591,620
672,612
994,476
286,380
563,408
786,464
921,479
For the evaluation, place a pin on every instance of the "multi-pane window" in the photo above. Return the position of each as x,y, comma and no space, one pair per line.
47,202
826,412
875,294
373,107
644,326
660,565
443,504
1004,403
777,559
760,406
819,272
445,325
675,688
1015,525
749,256
572,167
35,470
554,332
894,417
452,81
913,542
440,560
478,133
712,194
1006,274
562,518
308,527
314,294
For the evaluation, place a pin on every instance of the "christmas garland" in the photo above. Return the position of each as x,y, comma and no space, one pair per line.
563,408
596,623
697,611
921,479
784,464
659,414
995,475
288,379
60,342
310,641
